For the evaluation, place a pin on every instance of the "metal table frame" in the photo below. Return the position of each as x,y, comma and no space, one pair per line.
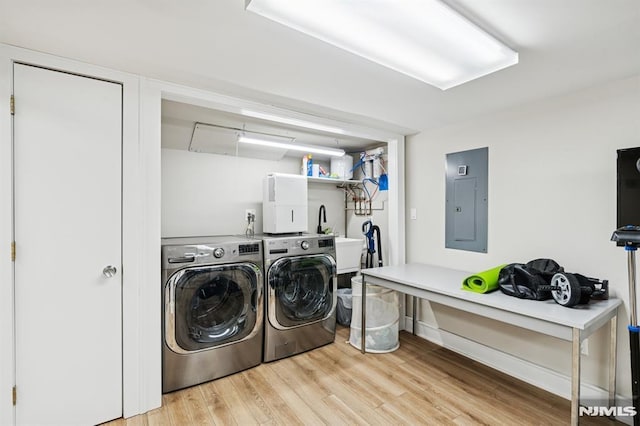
444,286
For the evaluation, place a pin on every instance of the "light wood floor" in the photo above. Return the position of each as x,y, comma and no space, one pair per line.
420,383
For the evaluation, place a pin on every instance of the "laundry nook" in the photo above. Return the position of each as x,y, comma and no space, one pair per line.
376,212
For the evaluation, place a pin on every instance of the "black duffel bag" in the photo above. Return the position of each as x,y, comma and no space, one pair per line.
529,281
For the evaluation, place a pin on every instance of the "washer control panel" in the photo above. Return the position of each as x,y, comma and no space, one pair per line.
181,252
298,245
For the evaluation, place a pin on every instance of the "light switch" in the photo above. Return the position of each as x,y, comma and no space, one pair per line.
414,214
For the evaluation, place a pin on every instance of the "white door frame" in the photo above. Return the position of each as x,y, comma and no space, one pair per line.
135,370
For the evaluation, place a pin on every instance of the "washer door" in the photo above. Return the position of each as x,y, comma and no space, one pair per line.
302,290
212,306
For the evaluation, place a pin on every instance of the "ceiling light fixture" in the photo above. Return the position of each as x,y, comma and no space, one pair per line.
286,143
292,121
424,39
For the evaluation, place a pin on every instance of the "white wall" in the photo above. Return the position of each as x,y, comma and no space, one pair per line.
207,194
552,193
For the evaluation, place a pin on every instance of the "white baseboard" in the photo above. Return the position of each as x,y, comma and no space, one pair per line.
526,371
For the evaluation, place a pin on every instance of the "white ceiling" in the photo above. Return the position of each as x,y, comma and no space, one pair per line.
564,45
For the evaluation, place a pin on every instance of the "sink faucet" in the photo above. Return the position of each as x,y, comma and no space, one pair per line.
321,217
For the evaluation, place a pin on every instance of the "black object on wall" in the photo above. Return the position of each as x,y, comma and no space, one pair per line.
628,187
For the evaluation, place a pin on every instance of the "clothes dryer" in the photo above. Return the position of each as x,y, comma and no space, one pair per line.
212,315
300,294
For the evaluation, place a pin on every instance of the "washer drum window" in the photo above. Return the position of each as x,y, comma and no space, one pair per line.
301,290
212,306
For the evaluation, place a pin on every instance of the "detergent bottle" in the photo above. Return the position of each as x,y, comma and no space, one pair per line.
309,165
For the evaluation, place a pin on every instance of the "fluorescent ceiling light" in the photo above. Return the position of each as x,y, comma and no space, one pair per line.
286,143
292,121
424,39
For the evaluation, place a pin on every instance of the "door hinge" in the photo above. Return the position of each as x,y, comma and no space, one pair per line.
12,105
13,251
14,394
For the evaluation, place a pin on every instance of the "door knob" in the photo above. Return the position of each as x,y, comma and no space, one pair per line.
109,271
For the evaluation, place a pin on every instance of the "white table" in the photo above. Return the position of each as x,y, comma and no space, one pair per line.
444,286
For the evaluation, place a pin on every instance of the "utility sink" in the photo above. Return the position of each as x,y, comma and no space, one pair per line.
348,254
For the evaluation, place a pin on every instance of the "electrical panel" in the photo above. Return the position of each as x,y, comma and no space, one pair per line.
466,200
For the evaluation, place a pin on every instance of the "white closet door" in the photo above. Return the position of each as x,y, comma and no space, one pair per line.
67,153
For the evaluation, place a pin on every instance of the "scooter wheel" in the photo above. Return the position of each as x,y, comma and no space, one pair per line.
567,289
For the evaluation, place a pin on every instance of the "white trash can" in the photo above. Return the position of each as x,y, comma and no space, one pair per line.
383,318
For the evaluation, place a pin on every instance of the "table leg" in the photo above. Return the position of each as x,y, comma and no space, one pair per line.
415,315
612,360
363,345
575,376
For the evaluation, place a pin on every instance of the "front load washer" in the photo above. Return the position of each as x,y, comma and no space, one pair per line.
300,294
212,316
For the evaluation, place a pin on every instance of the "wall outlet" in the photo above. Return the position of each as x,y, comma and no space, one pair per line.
584,347
248,213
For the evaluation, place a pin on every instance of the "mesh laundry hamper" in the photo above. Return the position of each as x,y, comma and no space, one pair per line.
383,318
